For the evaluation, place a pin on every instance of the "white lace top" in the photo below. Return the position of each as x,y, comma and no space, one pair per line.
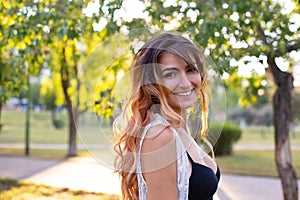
182,162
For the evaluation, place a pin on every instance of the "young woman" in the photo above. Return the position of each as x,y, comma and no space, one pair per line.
158,157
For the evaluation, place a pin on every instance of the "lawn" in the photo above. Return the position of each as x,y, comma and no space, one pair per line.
19,190
93,131
258,162
41,128
254,162
54,154
265,135
89,128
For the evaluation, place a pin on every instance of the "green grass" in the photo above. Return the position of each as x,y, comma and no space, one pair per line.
43,132
41,128
265,135
53,154
257,162
19,190
91,131
253,162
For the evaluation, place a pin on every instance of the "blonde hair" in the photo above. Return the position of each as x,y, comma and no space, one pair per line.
146,94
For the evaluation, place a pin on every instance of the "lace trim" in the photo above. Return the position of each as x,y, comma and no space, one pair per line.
182,162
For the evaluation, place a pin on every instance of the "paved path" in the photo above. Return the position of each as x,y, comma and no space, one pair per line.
74,173
105,147
88,174
238,187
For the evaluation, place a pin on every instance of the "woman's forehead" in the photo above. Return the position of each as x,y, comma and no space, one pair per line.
169,59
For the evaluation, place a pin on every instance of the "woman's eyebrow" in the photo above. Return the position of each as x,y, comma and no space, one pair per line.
169,69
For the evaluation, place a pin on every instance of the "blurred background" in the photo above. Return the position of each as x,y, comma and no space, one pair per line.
64,68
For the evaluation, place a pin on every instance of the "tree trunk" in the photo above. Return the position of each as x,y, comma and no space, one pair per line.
27,119
282,117
73,119
72,112
1,125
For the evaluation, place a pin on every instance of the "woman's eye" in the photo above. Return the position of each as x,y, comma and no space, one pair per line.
192,69
168,75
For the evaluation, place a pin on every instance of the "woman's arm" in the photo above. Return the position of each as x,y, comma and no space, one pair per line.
159,164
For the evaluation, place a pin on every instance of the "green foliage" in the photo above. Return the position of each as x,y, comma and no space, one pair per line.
49,34
56,35
104,70
251,90
229,135
58,119
12,81
20,47
48,93
229,30
58,123
35,94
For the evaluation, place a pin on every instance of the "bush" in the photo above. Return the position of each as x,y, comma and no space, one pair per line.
58,123
58,120
229,134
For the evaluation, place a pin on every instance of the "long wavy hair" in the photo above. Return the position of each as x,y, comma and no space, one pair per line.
147,95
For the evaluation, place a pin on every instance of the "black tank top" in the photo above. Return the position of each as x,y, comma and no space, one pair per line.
203,182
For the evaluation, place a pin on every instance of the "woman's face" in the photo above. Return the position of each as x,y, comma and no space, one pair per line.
183,82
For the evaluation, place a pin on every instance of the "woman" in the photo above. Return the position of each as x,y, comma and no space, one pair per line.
158,158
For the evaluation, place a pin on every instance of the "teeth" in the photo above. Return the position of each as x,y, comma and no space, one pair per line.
184,93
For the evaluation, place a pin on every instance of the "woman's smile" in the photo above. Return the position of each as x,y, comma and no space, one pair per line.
181,80
187,93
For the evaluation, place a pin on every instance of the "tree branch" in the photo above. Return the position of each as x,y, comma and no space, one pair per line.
264,39
293,47
262,35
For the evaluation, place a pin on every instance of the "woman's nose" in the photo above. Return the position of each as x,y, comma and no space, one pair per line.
184,80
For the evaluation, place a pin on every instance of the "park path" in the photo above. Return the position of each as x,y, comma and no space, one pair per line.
105,147
83,173
89,175
80,173
86,173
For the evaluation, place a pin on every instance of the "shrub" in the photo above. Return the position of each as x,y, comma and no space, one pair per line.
229,134
58,123
58,120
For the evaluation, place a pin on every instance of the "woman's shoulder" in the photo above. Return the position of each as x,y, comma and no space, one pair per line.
157,137
156,118
158,132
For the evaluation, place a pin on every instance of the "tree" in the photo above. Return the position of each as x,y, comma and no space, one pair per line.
296,106
48,93
19,54
12,69
69,37
66,26
241,31
56,35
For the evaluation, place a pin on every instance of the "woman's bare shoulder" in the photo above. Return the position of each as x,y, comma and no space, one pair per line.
157,137
159,163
